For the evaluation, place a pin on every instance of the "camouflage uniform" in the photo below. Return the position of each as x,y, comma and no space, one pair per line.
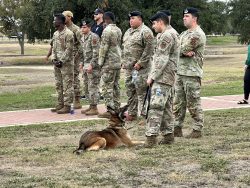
90,45
63,51
76,50
163,71
138,46
110,64
189,74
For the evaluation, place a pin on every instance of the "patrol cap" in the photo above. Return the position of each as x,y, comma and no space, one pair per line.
86,22
135,13
159,15
98,11
191,10
167,12
109,15
68,13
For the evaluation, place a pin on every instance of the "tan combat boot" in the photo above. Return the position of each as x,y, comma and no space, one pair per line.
105,115
58,107
167,139
178,132
151,141
64,110
93,111
85,110
194,134
77,103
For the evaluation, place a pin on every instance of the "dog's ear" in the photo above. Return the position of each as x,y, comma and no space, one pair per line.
122,110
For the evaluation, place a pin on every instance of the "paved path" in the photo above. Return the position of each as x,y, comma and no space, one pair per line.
38,116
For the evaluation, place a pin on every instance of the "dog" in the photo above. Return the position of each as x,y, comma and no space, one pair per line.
111,137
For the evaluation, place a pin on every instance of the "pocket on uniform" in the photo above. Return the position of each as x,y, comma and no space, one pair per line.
107,76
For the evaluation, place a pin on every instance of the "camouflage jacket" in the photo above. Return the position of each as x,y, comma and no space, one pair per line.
63,46
77,37
90,46
165,58
110,49
138,47
192,40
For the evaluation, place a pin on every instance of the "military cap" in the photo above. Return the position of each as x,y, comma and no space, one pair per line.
68,13
158,15
135,13
167,12
87,22
191,10
109,15
98,11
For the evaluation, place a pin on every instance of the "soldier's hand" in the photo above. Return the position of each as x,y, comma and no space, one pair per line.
150,82
190,54
90,69
137,66
46,59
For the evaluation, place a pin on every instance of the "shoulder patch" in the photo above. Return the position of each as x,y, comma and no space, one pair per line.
94,40
194,41
148,35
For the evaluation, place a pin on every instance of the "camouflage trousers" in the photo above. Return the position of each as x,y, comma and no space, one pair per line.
93,87
136,91
110,88
160,114
64,84
85,84
76,82
187,95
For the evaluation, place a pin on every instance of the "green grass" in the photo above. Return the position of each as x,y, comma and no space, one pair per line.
31,99
222,40
41,156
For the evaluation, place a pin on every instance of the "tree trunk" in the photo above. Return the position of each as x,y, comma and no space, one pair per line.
21,43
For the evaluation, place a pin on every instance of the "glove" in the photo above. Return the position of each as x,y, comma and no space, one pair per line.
58,64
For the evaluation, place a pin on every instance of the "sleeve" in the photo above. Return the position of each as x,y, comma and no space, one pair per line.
160,62
191,44
69,43
95,50
53,55
105,45
148,40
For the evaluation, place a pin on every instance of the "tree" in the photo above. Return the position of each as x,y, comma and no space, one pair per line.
240,15
11,19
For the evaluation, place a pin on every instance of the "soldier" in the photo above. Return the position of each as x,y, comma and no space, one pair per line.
90,44
162,78
77,37
137,51
110,64
170,28
62,58
189,74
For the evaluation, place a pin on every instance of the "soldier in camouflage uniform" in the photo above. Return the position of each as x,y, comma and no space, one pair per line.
161,79
110,64
89,63
77,37
189,74
137,51
62,58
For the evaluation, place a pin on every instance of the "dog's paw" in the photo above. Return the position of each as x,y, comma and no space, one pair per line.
78,152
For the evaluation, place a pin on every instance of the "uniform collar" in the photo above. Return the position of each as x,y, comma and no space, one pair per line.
137,29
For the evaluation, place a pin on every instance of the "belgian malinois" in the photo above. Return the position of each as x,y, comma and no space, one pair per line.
113,136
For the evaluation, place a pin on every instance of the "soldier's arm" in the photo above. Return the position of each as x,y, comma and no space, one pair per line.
160,62
191,44
78,41
105,44
148,40
53,54
69,43
95,50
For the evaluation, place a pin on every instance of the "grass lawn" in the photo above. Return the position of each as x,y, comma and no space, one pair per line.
222,40
41,156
